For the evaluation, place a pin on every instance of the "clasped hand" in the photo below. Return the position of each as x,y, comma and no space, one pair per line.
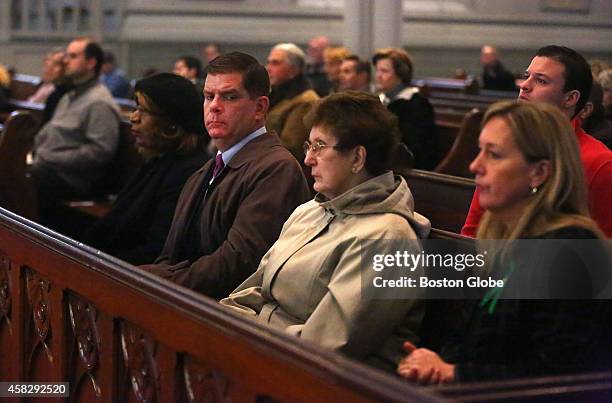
424,366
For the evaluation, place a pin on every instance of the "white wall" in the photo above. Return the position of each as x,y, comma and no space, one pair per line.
155,32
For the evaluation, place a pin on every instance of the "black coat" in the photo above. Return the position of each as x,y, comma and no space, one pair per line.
418,129
498,78
136,227
520,337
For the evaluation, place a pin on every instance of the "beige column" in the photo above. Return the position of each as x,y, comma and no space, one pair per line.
372,24
387,22
358,26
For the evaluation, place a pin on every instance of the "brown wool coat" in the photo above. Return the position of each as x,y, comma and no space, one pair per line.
239,219
287,120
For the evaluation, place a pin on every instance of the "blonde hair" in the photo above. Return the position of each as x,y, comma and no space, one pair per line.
542,132
335,54
5,77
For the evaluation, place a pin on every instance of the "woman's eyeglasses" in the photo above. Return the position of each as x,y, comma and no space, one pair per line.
316,147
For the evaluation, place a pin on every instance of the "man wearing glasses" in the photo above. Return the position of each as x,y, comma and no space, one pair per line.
72,150
232,210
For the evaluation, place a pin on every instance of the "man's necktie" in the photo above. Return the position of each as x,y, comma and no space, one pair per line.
219,165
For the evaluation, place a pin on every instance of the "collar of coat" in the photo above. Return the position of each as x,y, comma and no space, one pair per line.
289,89
246,154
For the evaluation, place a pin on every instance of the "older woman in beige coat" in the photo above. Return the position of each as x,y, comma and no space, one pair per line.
315,281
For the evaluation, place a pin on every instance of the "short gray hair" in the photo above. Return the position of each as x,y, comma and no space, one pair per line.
295,55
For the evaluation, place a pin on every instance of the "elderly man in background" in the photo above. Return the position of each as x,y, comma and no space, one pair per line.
72,151
291,97
315,69
355,74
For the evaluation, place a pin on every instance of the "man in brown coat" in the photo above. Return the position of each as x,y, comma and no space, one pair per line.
231,211
291,97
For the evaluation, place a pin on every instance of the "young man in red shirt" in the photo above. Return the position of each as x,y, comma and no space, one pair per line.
562,77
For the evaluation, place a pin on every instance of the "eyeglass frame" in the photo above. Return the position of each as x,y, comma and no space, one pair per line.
316,147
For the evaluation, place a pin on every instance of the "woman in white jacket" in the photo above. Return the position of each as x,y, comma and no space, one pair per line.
317,280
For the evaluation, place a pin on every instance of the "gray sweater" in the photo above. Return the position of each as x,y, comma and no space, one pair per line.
81,138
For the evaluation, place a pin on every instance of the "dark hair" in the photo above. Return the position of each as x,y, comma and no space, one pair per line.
109,57
177,98
599,114
255,79
361,66
401,61
358,118
192,63
577,72
94,51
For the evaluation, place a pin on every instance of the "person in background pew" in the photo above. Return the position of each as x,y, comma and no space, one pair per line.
210,52
232,209
169,132
310,282
354,74
6,77
290,100
314,71
113,77
416,115
332,58
52,74
605,79
72,151
594,121
61,84
561,76
494,75
291,97
190,67
533,187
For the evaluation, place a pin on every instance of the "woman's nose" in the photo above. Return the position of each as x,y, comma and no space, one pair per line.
476,166
309,160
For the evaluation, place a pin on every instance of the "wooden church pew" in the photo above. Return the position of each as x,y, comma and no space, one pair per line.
16,188
444,199
115,333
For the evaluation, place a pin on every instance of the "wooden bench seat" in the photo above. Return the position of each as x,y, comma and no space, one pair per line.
443,199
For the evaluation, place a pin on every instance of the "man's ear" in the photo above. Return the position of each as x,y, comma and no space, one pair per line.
586,111
571,99
262,104
295,71
91,63
539,173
